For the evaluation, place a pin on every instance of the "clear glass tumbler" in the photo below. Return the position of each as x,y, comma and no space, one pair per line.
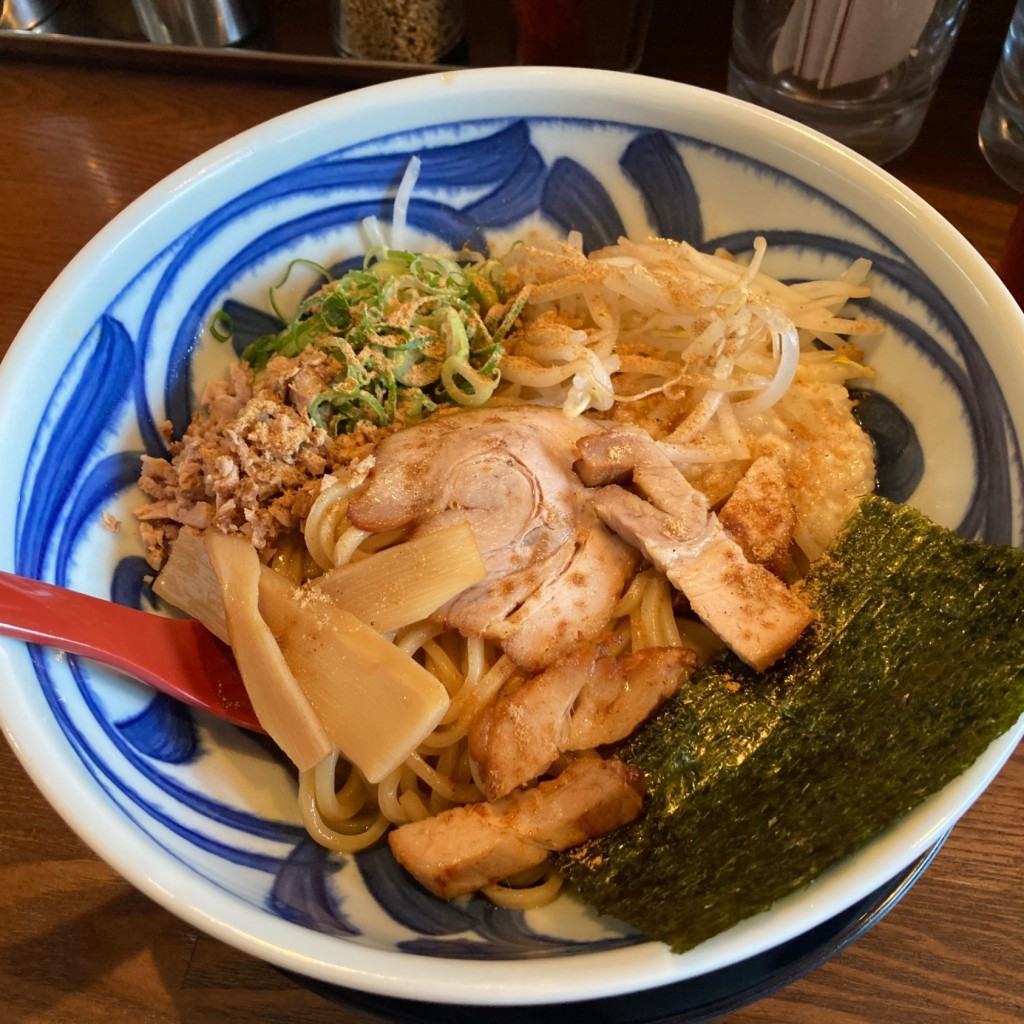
1001,130
862,71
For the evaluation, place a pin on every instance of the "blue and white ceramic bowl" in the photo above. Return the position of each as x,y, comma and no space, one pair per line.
202,816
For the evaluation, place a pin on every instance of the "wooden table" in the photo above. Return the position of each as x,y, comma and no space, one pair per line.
79,140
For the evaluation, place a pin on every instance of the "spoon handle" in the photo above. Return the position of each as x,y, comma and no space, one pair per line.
178,657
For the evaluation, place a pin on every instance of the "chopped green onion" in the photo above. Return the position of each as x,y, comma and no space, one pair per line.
222,326
273,289
410,332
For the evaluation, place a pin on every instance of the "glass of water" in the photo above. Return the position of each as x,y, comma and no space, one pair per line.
1001,131
862,71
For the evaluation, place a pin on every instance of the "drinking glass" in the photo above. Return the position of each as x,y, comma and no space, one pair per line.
862,71
1001,130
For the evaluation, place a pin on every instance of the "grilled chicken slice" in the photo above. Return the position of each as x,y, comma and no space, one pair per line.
554,571
760,515
584,700
745,604
465,848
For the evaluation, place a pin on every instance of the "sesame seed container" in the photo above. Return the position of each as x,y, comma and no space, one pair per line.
412,31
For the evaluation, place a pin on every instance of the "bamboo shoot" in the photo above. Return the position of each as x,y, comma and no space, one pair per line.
279,702
188,582
375,702
407,582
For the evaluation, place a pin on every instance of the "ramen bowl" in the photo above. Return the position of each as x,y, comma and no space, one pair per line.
201,816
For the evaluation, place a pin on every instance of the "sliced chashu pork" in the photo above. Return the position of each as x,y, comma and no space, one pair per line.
760,515
746,605
554,571
584,700
465,848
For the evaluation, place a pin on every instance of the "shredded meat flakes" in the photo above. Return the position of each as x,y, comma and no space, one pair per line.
252,459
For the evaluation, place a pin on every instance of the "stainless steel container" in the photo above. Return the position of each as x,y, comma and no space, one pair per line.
25,15
198,22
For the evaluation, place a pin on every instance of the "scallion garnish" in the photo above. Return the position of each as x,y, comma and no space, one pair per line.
410,331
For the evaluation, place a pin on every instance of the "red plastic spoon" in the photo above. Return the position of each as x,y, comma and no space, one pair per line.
178,657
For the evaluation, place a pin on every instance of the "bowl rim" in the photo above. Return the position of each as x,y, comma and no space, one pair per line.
85,808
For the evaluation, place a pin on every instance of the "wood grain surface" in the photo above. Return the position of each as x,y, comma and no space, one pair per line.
79,141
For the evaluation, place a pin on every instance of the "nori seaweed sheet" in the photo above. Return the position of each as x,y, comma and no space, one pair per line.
759,782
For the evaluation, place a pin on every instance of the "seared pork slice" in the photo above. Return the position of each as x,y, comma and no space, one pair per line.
760,515
609,458
630,454
554,571
752,610
503,469
587,699
573,605
623,691
465,848
744,603
486,610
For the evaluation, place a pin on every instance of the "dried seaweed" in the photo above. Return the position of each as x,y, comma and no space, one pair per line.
759,782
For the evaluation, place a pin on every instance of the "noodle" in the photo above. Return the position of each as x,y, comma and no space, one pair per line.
659,622
347,833
448,788
524,892
472,698
326,523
